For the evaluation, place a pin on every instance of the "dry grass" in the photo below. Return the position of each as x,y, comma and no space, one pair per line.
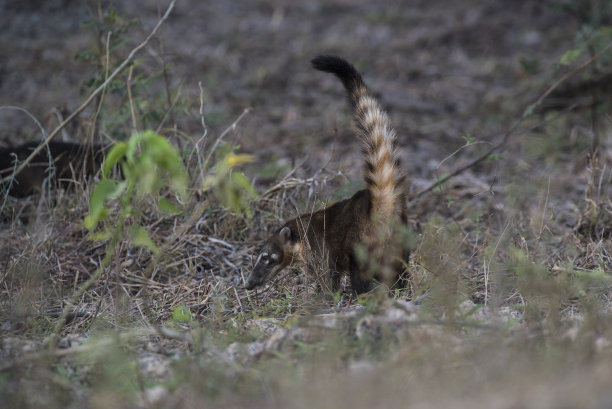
552,280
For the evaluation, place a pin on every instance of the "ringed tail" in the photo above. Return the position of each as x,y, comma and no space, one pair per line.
382,175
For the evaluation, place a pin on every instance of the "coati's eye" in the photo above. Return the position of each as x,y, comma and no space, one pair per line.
267,258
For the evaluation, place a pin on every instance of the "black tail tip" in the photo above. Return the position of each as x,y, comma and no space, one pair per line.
339,67
333,64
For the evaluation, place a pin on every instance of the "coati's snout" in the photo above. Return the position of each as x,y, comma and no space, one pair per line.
275,255
265,267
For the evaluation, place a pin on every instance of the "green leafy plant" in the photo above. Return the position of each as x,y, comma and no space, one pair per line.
181,314
149,165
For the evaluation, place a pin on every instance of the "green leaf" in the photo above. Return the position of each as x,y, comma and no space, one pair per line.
496,156
147,177
156,154
469,138
140,237
165,155
103,190
119,189
118,44
570,56
181,314
167,206
243,182
86,55
233,159
91,220
133,144
117,152
101,236
529,110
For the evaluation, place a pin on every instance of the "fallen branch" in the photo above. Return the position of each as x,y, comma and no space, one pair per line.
487,154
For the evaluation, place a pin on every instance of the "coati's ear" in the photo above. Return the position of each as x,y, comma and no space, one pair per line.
285,234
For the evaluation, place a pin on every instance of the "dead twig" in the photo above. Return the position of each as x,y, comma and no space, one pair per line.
487,154
232,127
570,74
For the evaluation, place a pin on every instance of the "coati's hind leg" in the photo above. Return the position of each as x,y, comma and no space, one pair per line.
360,282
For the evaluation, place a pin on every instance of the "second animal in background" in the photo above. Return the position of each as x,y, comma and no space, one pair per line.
64,160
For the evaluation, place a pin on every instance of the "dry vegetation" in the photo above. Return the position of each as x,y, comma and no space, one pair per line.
503,113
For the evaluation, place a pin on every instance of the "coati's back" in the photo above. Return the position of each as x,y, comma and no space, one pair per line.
369,218
69,160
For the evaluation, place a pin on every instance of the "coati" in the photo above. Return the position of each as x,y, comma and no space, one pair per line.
368,220
69,160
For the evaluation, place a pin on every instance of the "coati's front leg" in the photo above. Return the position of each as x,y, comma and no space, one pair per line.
336,277
323,268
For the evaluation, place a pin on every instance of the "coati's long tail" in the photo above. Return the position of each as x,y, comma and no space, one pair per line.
383,177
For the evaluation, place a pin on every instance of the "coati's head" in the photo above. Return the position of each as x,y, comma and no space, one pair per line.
279,251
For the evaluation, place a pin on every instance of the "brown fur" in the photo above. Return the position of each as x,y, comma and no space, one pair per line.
69,160
368,219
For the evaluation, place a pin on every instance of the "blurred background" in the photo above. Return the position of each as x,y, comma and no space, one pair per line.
443,69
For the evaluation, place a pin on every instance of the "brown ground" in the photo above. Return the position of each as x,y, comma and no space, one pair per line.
443,69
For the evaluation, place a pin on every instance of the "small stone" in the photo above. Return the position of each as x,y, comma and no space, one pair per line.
601,343
238,351
361,366
155,394
571,334
154,365
28,347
